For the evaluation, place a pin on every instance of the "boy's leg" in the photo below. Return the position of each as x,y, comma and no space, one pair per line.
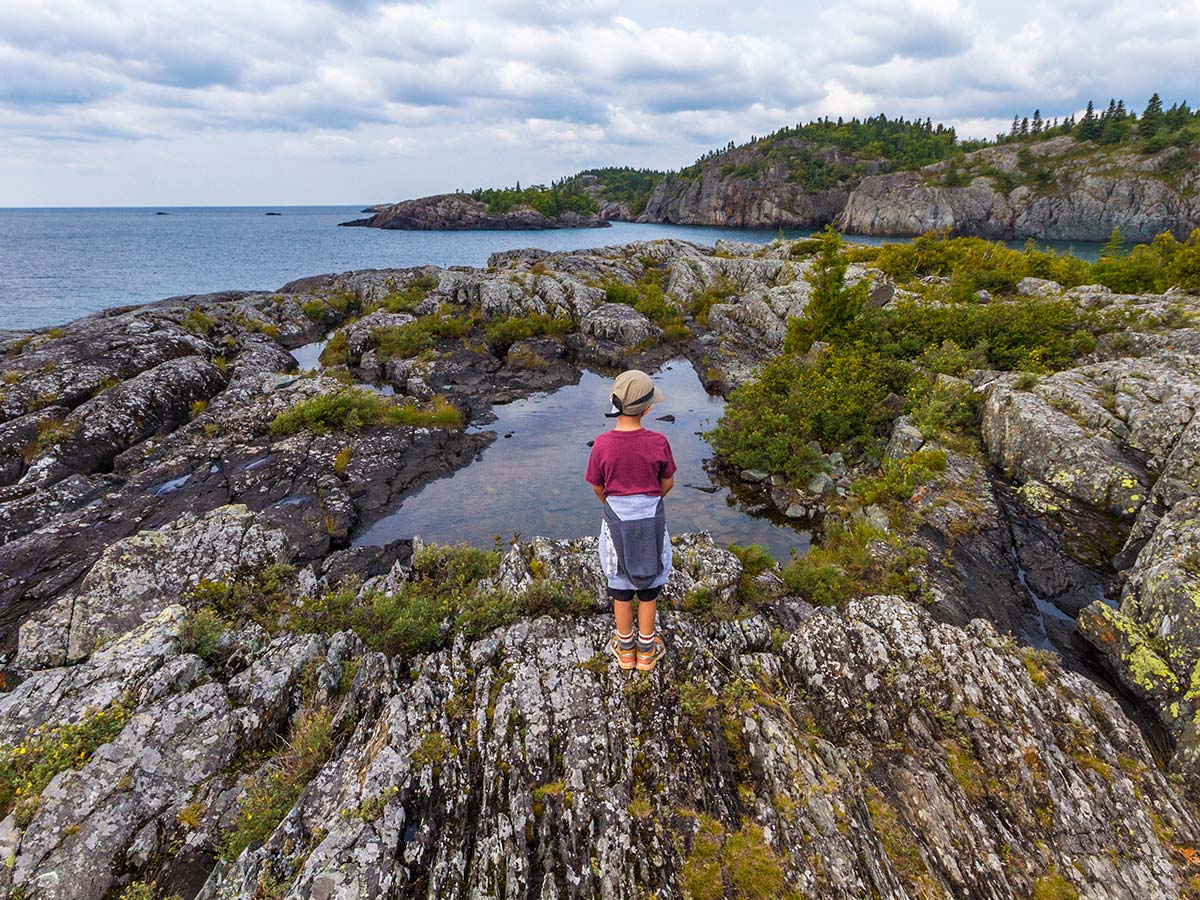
624,643
647,610
623,616
650,647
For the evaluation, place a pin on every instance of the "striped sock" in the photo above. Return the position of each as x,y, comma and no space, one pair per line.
645,642
625,641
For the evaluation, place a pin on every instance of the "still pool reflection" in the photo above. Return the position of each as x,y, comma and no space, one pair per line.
532,482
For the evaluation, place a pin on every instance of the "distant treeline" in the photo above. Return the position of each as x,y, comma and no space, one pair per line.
561,196
827,152
1156,128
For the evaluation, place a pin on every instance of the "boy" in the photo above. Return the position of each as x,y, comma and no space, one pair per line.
631,469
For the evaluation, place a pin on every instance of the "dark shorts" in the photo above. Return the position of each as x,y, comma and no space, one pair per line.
626,596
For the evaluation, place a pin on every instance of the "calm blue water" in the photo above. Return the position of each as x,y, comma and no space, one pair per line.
60,264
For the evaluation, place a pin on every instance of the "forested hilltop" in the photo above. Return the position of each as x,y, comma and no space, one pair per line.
1067,178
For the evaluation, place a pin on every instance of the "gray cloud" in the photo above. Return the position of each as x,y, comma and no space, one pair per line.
319,95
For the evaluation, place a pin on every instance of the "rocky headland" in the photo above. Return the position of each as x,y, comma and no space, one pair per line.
208,693
1075,181
461,212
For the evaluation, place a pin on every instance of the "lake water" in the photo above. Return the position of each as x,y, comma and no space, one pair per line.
530,479
60,264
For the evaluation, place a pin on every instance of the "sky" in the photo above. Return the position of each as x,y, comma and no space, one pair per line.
244,102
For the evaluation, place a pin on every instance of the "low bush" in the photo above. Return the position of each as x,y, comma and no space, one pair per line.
843,565
898,479
941,408
202,632
29,765
198,323
703,301
446,595
501,334
647,297
407,298
413,339
838,401
352,409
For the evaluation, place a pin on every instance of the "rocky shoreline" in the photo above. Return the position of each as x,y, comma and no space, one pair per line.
180,607
461,212
1055,189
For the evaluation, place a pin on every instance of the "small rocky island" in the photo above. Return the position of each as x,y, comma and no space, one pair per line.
980,682
463,212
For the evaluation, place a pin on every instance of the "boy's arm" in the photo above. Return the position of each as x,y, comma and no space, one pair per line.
599,489
665,484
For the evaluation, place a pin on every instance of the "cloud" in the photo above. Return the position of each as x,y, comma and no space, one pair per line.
465,91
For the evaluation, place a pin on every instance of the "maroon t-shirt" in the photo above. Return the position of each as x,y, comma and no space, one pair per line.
630,462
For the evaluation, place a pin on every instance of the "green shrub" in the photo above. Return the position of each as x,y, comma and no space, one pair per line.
832,306
647,297
897,479
413,339
198,323
1031,334
941,408
407,298
838,401
336,351
501,334
842,566
1183,262
201,633
352,409
29,765
702,301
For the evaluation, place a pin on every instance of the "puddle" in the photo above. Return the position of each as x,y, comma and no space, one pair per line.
308,356
170,487
532,482
1046,611
255,463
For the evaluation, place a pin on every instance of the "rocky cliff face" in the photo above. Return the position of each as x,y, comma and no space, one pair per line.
1054,190
748,188
198,702
461,212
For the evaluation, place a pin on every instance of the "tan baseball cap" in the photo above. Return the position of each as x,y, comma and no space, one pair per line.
632,394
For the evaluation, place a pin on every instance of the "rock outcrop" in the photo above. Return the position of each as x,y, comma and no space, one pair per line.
830,762
209,693
461,212
1057,189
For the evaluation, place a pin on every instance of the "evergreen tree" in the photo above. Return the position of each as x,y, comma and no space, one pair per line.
1152,117
832,307
1089,127
1025,126
1016,127
1037,121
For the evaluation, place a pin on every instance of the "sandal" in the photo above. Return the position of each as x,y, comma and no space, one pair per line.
626,659
647,661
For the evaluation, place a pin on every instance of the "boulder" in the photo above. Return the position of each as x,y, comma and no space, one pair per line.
140,576
619,323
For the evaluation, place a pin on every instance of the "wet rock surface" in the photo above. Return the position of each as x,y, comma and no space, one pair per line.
884,748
